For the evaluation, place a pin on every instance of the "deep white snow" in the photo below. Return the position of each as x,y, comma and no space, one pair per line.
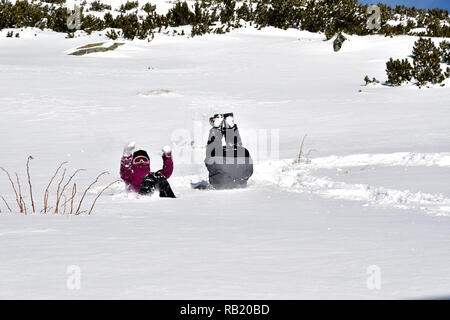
373,192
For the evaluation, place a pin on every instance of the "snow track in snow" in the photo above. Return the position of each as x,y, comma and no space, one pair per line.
385,159
300,178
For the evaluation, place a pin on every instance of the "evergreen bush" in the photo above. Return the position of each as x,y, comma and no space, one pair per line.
98,6
328,16
426,61
444,47
398,71
129,5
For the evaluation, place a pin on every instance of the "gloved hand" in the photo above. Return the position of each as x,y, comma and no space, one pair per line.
129,149
167,151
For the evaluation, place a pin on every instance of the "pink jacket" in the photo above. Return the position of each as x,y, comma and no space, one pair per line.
133,174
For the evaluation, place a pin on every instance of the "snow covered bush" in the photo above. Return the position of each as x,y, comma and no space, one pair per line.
390,30
398,71
426,61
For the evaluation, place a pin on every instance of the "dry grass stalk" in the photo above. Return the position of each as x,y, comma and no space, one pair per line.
74,188
300,154
98,196
7,205
74,192
59,194
29,183
48,187
87,189
58,197
22,203
14,188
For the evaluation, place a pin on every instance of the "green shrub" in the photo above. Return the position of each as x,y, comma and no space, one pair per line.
98,6
152,20
180,15
149,8
426,61
435,29
444,47
57,19
227,14
244,12
54,1
367,80
112,34
109,20
129,5
328,16
129,24
398,71
91,23
21,14
199,29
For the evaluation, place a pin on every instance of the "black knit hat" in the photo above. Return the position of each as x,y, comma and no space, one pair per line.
140,153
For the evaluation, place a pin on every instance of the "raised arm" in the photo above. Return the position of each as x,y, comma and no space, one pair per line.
125,162
167,168
125,168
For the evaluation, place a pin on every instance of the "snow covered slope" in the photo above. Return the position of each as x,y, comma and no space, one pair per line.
374,191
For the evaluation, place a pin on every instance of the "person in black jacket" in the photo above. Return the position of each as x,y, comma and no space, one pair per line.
229,165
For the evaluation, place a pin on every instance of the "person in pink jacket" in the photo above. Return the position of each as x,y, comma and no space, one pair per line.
135,172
